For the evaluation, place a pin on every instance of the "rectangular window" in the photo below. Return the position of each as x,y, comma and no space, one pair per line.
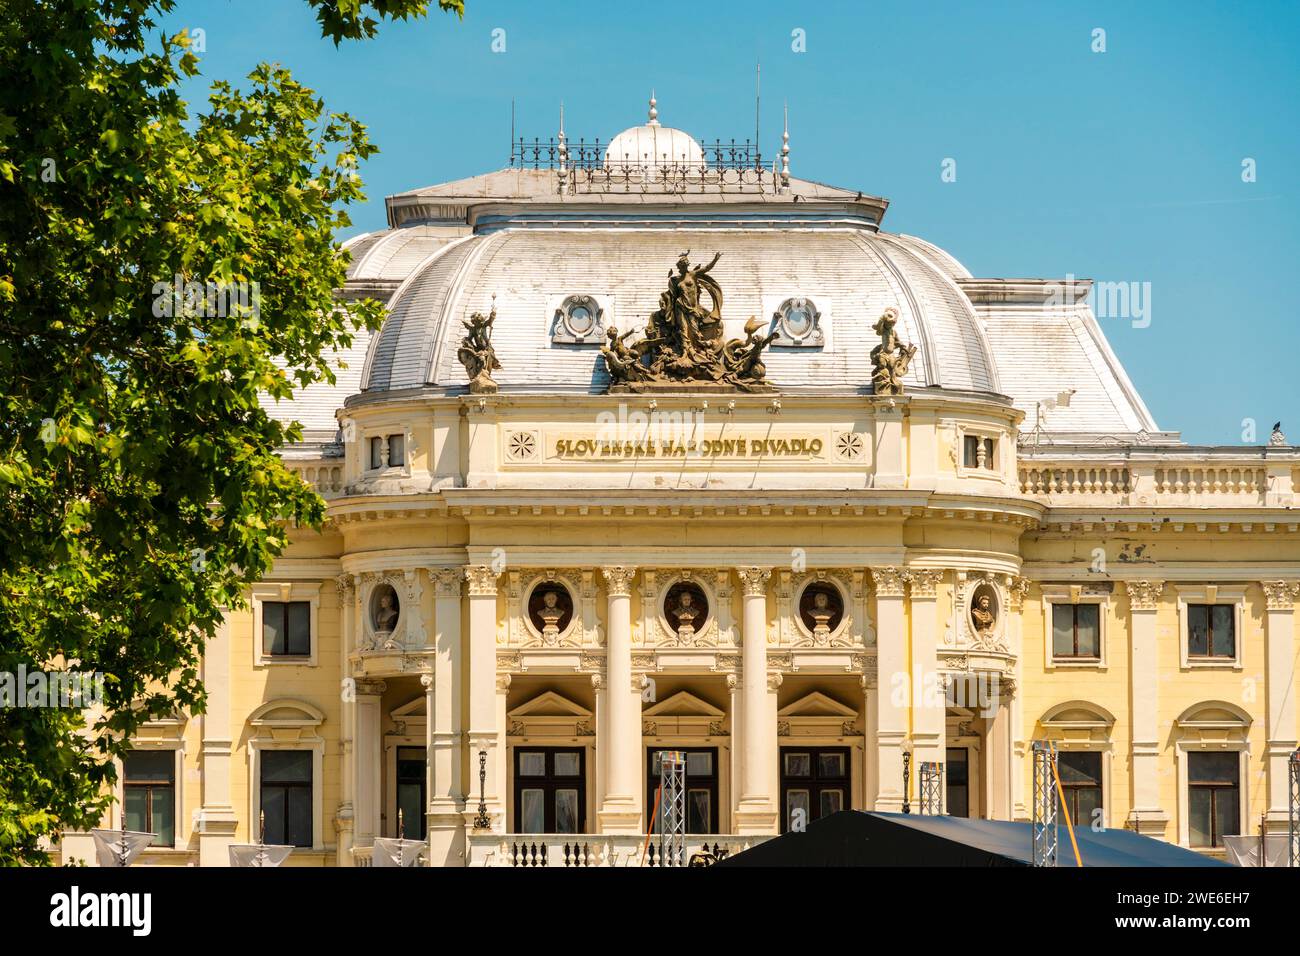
1080,772
149,794
376,452
286,628
287,796
815,782
550,790
1076,631
1214,797
1212,630
411,793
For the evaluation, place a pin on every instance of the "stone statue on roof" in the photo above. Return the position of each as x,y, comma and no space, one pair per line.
890,359
477,354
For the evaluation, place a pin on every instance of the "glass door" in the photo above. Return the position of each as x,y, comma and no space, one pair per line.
701,788
550,790
815,782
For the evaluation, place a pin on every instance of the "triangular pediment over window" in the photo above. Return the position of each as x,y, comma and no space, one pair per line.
683,704
817,704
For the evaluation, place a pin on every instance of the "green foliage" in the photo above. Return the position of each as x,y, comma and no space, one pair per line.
140,490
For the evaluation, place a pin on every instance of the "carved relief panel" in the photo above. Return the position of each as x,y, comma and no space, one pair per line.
823,608
551,608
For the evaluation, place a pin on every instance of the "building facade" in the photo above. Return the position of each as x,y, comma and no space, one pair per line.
869,520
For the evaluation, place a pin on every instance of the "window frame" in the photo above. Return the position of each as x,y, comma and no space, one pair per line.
995,470
285,592
549,782
177,749
1073,594
1101,785
384,434
297,729
1188,786
1211,594
311,786
816,784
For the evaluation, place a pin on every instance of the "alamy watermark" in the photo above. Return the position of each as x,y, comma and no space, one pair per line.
177,297
1107,300
50,689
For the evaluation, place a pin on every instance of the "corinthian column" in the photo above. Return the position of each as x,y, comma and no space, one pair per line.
894,694
621,811
1145,811
446,695
482,586
1279,691
756,812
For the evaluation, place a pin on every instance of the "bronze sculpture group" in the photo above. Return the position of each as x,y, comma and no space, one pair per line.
683,347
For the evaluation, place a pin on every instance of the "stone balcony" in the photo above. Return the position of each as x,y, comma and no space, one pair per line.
1161,477
593,849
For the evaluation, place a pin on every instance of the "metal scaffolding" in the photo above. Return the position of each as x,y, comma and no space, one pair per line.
672,808
1045,832
931,780
1293,835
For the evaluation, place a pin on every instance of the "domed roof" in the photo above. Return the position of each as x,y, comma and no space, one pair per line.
850,275
653,145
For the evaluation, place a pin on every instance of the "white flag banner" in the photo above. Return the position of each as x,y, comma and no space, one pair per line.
390,852
258,854
119,847
1244,850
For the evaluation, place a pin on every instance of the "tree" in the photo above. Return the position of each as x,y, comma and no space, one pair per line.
157,272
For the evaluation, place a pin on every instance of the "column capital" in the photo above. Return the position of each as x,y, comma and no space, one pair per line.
618,579
1281,595
1144,595
482,580
1017,588
924,583
345,585
753,581
447,581
774,680
889,582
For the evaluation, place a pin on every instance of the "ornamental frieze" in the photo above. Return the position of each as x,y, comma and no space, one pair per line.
1144,595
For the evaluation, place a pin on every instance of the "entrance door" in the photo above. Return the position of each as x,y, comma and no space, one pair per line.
412,798
701,788
815,782
550,790
957,781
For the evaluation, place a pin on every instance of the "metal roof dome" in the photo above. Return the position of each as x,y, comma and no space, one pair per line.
653,145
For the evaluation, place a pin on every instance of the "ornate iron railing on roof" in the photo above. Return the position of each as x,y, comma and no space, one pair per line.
581,167
545,154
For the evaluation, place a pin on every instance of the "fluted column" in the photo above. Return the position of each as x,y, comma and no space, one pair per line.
1017,588
621,811
1144,684
757,812
445,701
1279,692
930,709
894,696
367,761
481,581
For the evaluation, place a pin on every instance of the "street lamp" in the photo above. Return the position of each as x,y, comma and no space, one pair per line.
907,774
482,821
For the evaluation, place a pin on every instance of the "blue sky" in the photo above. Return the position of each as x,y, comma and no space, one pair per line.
1122,166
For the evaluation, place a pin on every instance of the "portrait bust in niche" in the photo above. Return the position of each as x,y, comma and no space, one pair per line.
821,608
984,612
550,608
385,609
686,609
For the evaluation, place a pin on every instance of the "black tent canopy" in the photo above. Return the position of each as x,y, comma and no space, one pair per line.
858,838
